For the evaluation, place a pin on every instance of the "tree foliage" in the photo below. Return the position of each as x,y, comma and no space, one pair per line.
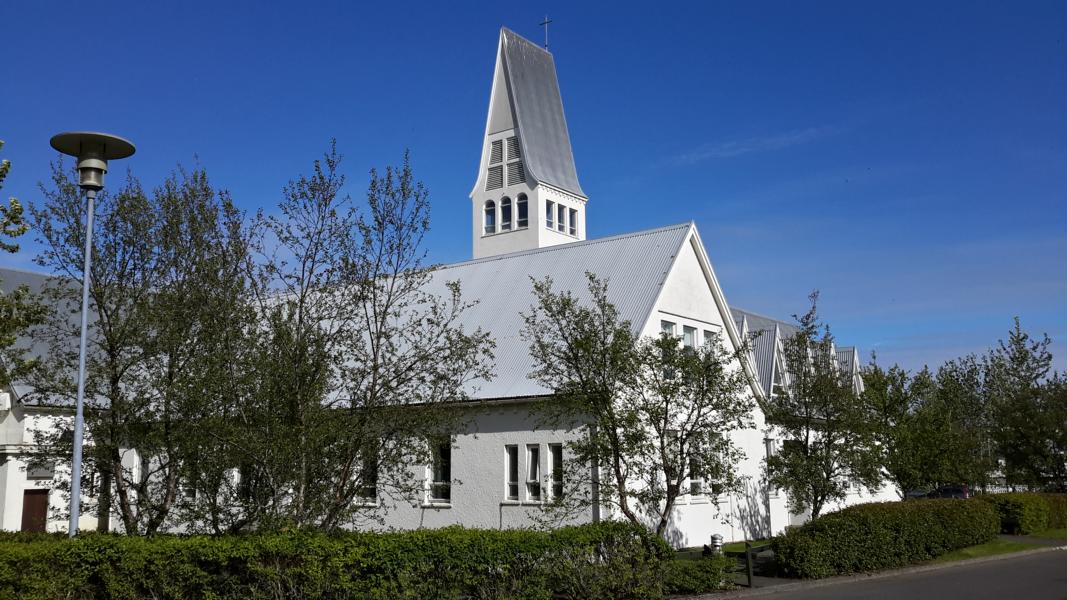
830,442
652,413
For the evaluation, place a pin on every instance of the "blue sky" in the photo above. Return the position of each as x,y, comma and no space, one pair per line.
907,160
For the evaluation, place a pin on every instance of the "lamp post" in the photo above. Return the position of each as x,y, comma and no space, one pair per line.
92,150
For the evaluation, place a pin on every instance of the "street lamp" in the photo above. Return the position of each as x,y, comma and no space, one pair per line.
92,150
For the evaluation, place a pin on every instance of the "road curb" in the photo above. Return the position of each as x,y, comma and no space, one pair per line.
808,584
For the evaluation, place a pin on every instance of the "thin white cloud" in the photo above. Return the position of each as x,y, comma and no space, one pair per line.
767,143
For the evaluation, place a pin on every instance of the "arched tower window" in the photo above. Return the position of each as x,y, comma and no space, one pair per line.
490,217
522,219
505,214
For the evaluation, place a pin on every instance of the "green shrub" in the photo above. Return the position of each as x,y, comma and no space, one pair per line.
1021,513
1057,510
698,576
604,560
868,537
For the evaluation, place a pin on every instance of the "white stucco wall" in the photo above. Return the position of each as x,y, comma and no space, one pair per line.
479,473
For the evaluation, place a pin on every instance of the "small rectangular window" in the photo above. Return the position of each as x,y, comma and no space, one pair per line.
574,222
561,220
368,474
513,148
523,216
696,473
496,152
556,452
550,211
666,327
494,180
689,336
709,336
533,472
512,456
441,484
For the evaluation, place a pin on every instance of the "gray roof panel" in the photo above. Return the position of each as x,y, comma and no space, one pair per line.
546,145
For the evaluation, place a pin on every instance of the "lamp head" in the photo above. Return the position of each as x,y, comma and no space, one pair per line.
92,150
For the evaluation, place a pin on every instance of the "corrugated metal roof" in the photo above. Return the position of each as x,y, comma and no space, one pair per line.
635,264
546,145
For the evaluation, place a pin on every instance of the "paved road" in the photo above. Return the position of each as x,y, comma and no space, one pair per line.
1034,577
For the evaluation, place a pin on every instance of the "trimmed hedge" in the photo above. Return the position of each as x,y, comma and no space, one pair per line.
1021,513
868,537
604,560
1057,513
697,576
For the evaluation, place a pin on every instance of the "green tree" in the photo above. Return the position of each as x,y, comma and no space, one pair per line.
651,413
19,310
830,438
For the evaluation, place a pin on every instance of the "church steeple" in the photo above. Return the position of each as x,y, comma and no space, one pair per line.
527,193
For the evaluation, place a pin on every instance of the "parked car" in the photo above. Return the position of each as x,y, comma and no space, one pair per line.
951,491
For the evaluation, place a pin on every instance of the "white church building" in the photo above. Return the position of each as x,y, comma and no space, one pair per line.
528,218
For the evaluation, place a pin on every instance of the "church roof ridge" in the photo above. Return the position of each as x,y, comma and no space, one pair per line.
571,245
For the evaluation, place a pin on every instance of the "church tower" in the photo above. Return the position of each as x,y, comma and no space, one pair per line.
527,193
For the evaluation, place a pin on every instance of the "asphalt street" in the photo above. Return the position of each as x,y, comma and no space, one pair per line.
1040,576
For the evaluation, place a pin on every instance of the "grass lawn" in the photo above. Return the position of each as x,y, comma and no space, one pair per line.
989,549
1052,534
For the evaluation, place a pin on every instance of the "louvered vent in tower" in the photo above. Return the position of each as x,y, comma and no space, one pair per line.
496,152
513,148
494,180
516,174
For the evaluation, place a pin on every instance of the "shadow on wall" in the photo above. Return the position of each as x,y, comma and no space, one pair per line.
754,511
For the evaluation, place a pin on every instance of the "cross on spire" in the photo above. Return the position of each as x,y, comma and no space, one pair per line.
545,24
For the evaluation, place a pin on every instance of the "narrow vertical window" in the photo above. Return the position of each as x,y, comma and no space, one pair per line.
505,214
368,474
512,457
561,220
494,178
696,472
441,483
556,453
574,222
533,472
513,148
689,336
490,217
496,152
709,337
522,219
550,211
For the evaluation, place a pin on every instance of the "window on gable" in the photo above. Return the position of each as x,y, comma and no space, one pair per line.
490,217
533,472
512,456
441,470
494,180
573,222
505,214
513,148
561,217
550,211
522,218
496,152
689,336
709,337
555,452
666,327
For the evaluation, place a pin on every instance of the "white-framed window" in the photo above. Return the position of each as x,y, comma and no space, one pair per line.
561,218
511,456
533,473
550,212
696,473
490,217
555,453
689,336
573,222
441,470
666,327
505,214
516,171
522,215
368,474
513,148
709,336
